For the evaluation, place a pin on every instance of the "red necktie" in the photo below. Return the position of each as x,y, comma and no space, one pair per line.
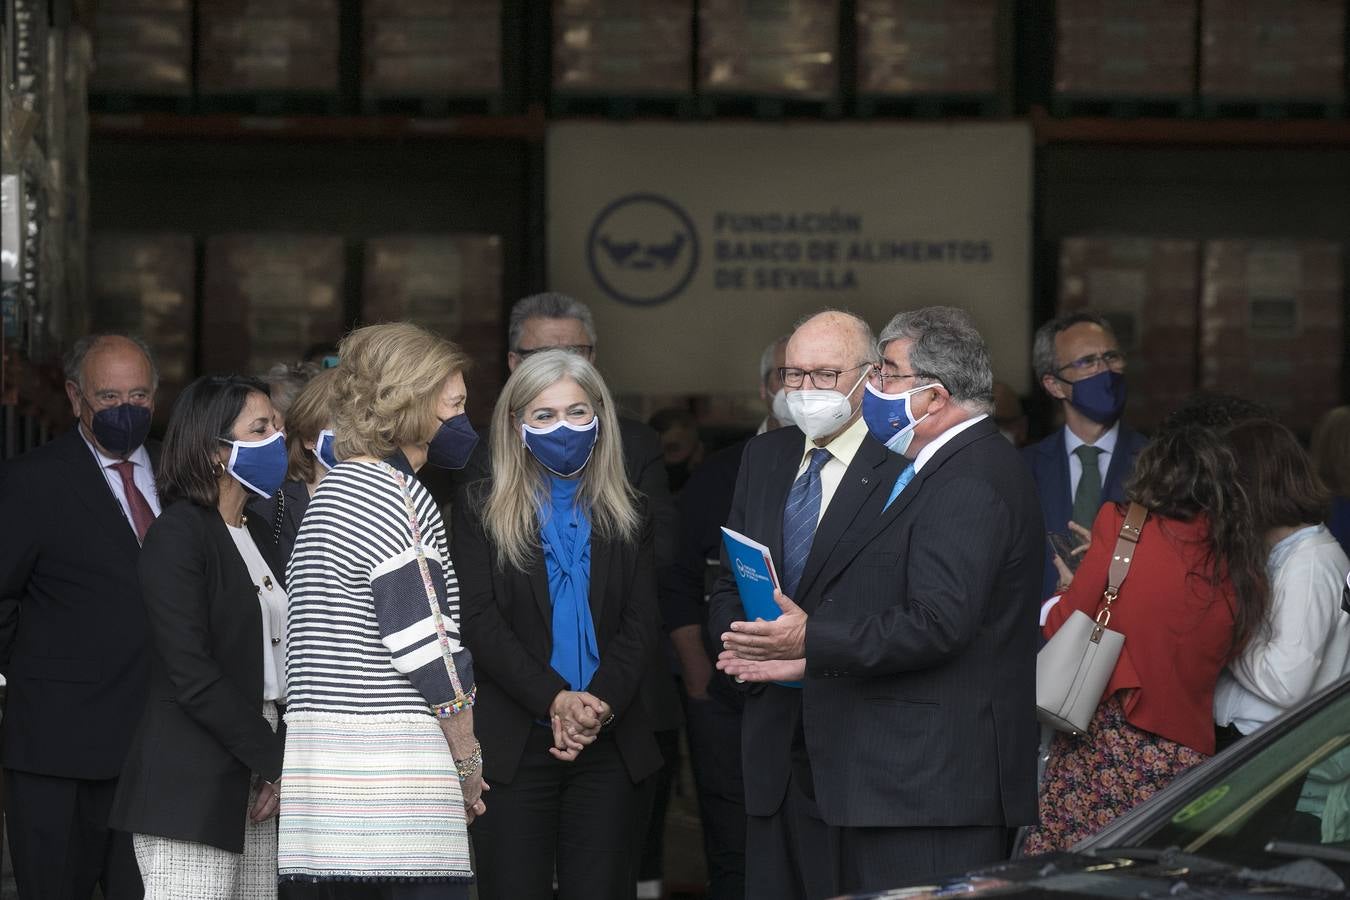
141,513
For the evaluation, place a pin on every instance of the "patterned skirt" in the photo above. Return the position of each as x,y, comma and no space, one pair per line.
370,798
1092,779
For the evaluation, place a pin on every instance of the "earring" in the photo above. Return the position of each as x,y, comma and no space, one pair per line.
217,468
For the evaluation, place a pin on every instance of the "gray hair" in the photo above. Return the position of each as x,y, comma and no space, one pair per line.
766,358
73,363
871,352
285,381
549,305
946,348
1043,347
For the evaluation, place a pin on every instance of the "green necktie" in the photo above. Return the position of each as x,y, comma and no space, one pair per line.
1088,498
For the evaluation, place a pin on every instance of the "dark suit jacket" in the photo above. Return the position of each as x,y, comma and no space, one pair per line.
295,500
73,633
1049,462
772,717
920,706
506,619
202,736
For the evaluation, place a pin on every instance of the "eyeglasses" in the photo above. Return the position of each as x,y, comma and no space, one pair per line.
823,379
1111,359
886,380
578,349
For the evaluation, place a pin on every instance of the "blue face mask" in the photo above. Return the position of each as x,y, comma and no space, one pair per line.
890,417
121,429
259,466
453,443
1100,397
562,448
323,449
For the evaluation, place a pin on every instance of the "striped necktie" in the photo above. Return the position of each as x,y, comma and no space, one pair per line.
800,516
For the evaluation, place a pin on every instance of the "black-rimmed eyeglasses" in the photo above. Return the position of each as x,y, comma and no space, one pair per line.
822,379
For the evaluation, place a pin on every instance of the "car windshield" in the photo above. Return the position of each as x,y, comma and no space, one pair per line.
1294,792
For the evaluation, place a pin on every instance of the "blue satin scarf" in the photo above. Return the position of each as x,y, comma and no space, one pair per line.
566,533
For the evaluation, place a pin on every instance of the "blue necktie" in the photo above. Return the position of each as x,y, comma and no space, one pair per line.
799,520
903,479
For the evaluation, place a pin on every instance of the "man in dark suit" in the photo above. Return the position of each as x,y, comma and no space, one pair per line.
917,652
799,494
1087,461
73,632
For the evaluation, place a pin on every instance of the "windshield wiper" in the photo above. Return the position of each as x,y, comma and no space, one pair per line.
1296,850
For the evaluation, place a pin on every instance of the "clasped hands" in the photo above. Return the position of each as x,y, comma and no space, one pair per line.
761,651
577,717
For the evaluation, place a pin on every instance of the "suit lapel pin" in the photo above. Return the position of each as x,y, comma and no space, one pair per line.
864,479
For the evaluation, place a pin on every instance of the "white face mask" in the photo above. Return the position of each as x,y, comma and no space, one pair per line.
780,408
819,413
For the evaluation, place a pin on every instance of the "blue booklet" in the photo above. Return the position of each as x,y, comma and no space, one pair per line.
756,580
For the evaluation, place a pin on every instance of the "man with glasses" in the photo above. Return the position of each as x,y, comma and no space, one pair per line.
915,637
797,491
74,643
1086,462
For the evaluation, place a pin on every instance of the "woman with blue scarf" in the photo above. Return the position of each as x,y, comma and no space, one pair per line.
558,604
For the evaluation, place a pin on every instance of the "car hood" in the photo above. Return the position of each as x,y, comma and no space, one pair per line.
1063,875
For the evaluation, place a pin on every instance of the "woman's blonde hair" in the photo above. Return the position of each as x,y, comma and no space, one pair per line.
388,382
310,412
520,485
1331,450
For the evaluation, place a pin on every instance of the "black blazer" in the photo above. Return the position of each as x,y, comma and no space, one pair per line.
919,700
203,736
73,633
772,717
506,619
295,500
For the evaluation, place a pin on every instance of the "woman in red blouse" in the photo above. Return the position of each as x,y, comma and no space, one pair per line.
1195,592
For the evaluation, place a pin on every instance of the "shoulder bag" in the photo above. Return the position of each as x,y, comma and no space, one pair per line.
1074,666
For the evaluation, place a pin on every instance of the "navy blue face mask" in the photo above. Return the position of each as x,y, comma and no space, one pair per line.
259,466
453,443
323,449
1100,397
562,448
120,429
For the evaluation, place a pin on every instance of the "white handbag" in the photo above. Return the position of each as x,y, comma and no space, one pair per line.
1074,666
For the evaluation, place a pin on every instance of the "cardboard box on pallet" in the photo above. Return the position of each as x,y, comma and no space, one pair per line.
267,298
143,47
1273,49
146,284
451,284
417,48
1148,289
1125,48
927,46
784,48
622,48
247,46
1271,324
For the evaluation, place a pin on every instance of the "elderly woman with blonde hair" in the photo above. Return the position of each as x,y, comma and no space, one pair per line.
382,770
559,597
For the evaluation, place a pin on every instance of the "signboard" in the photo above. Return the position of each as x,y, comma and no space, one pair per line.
697,245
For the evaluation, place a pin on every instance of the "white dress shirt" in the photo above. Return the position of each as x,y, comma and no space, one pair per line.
1307,642
272,599
142,475
1106,443
928,452
843,448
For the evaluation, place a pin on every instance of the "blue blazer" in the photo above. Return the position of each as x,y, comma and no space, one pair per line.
1049,462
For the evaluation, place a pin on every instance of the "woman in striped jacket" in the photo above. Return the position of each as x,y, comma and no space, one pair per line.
382,770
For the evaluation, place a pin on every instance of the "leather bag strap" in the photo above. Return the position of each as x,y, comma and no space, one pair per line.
1120,559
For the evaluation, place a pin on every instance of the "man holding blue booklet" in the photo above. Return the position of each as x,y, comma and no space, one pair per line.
915,639
797,492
